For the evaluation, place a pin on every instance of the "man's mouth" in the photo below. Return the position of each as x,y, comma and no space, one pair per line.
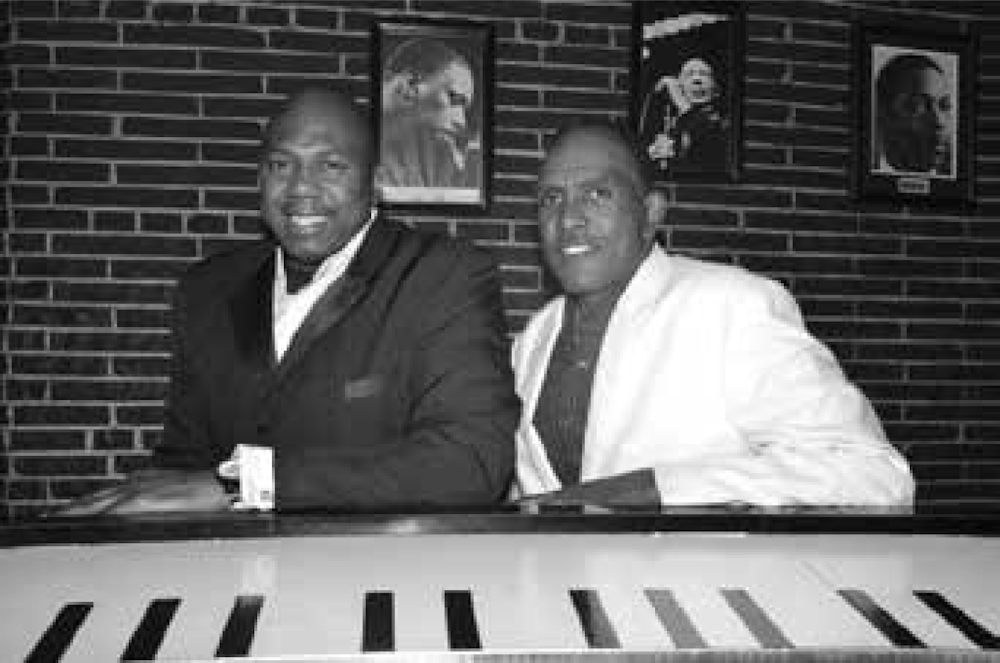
307,223
572,250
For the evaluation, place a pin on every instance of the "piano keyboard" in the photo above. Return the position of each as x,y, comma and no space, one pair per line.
495,594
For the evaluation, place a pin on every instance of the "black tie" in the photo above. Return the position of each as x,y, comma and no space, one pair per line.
298,273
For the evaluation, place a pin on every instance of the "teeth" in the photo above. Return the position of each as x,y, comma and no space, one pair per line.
307,219
575,250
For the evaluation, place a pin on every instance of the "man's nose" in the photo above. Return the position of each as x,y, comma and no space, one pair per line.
303,181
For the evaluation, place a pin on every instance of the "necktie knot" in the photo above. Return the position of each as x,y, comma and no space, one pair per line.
298,273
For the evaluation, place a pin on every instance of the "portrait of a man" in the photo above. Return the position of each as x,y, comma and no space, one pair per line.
914,96
683,107
430,89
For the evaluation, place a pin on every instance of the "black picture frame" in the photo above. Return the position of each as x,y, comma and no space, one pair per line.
422,68
899,156
689,132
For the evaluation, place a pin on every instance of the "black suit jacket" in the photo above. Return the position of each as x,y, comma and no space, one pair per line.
396,392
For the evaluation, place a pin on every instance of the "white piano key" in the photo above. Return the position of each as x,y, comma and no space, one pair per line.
530,617
715,620
812,615
634,618
420,619
310,618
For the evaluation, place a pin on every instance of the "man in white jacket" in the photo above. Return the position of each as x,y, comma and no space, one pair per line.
659,379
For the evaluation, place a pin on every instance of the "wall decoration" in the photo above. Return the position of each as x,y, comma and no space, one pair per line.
687,87
432,87
913,99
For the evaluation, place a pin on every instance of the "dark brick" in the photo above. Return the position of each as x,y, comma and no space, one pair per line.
33,8
599,13
194,175
141,366
28,54
64,123
232,200
67,30
266,16
116,391
63,171
130,341
251,107
53,439
160,223
26,489
130,149
174,12
330,44
542,30
144,268
126,57
123,245
54,219
142,318
192,35
54,415
72,78
107,221
215,13
587,56
119,9
190,128
59,267
139,415
269,61
191,82
127,197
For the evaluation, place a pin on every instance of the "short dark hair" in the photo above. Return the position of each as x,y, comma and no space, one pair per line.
617,130
421,56
894,72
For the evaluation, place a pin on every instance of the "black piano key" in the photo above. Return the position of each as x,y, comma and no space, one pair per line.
378,628
58,636
148,636
238,633
955,616
878,617
594,620
679,626
462,630
766,631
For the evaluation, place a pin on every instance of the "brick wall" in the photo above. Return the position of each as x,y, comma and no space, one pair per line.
130,146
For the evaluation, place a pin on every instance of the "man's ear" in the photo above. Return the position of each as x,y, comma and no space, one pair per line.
656,211
402,88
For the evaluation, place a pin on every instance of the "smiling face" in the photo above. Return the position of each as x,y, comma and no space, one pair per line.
597,222
315,175
697,81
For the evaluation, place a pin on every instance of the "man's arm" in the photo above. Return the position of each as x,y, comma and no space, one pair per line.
813,437
457,446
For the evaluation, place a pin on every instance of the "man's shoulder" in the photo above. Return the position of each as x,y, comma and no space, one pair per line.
229,265
437,248
696,273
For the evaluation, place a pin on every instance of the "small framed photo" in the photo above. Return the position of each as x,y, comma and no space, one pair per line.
687,73
432,89
914,98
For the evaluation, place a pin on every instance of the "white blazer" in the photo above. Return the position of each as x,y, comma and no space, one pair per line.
708,375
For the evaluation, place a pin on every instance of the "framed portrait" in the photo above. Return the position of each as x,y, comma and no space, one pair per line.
914,103
687,74
432,89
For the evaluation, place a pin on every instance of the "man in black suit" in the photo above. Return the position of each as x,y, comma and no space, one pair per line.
366,360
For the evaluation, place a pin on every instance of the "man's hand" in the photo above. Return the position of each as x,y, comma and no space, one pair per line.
153,491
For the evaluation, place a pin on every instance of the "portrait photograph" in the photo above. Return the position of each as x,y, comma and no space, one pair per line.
914,106
432,93
686,88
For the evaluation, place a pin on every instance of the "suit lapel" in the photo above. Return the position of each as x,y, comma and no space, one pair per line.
342,295
250,308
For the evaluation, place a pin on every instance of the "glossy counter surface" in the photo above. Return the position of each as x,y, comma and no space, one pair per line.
687,585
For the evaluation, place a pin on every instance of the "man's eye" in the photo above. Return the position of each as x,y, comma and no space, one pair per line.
278,165
549,199
598,195
335,166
